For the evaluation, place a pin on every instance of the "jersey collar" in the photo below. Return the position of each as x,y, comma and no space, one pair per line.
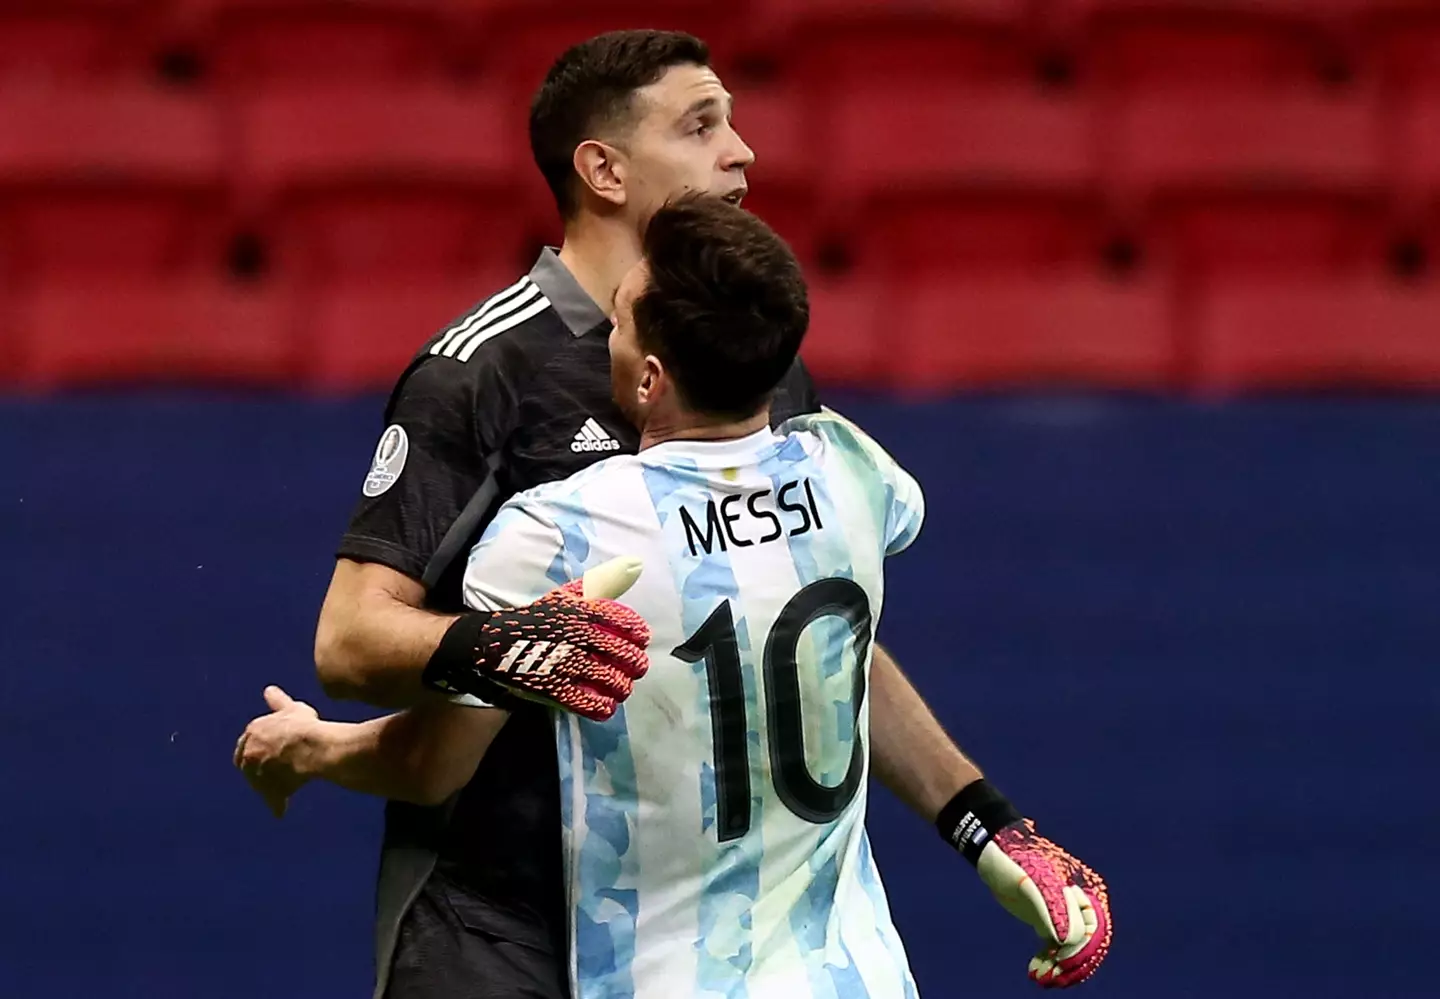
714,454
571,302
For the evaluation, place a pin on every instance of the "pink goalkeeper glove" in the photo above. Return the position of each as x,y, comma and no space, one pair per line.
1037,882
575,648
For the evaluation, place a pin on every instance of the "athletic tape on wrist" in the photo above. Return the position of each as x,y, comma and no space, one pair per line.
976,813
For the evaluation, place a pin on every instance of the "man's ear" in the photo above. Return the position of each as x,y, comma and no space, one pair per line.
602,169
654,381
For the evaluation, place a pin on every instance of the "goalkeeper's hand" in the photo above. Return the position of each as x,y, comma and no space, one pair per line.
575,648
1037,882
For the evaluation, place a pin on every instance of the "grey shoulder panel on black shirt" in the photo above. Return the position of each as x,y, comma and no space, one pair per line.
454,405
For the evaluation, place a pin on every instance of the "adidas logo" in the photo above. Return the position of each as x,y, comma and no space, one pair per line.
592,437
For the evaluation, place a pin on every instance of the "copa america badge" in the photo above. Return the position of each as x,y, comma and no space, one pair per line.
389,461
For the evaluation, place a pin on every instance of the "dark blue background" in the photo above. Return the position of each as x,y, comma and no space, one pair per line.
1197,642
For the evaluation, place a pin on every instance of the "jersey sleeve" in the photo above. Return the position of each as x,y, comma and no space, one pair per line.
442,425
511,565
900,500
904,501
518,559
906,509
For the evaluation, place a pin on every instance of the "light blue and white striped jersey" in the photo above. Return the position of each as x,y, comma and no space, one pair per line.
714,827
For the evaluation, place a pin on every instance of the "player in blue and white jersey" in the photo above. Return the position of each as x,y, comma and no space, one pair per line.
714,823
714,826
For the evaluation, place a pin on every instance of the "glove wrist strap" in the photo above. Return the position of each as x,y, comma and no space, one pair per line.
976,813
458,667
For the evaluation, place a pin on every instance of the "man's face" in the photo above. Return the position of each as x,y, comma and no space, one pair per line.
632,375
683,141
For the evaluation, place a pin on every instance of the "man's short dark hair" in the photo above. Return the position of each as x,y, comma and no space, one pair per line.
591,88
725,308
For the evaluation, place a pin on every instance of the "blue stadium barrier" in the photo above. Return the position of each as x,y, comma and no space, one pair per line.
1198,642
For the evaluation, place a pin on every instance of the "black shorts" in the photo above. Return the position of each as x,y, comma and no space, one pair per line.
455,945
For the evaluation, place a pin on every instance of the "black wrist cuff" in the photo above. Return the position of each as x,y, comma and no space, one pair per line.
455,665
975,814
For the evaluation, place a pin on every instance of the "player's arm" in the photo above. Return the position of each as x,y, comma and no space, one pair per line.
593,648
406,654
375,641
587,652
1063,900
374,637
422,755
910,752
1036,881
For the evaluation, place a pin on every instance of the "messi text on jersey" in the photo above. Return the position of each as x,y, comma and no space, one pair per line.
758,516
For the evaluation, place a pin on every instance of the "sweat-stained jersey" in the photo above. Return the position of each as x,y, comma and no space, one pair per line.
714,828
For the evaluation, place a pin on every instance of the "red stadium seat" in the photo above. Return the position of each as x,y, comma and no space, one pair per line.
1227,44
840,43
112,179
946,176
385,181
783,187
321,41
819,12
848,342
9,334
1251,181
772,122
1403,37
57,41
518,40
1422,141
106,131
1029,331
1361,333
1271,234
360,337
155,332
980,234
8,255
939,138
1168,142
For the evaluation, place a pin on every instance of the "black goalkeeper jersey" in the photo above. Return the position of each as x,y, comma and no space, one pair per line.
515,394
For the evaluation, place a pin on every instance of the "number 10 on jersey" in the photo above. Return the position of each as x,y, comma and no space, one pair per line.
715,643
